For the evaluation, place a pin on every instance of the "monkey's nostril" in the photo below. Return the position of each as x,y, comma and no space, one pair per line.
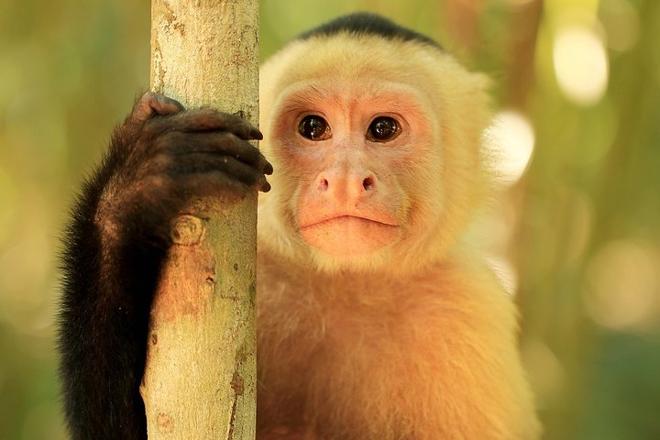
368,183
323,184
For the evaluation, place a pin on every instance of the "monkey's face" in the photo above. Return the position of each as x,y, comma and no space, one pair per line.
354,147
375,145
349,148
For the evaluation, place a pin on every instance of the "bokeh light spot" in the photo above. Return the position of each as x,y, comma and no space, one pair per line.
581,64
510,142
623,284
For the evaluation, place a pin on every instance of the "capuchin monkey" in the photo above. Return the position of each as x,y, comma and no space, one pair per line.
375,321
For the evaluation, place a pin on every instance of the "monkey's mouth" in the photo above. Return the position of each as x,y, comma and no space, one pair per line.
348,217
349,235
377,216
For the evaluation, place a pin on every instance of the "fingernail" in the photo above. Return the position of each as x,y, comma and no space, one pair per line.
256,134
268,169
265,187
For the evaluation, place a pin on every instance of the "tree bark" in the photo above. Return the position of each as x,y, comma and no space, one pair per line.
200,378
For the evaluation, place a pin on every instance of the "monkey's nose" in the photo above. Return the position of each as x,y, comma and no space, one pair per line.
350,186
368,183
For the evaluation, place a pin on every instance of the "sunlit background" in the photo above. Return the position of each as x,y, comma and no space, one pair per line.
573,230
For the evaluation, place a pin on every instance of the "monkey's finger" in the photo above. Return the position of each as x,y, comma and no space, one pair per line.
195,163
151,104
179,143
206,119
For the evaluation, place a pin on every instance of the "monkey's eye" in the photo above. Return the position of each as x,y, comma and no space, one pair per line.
383,129
314,128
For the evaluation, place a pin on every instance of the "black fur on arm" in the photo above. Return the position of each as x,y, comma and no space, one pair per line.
104,319
117,241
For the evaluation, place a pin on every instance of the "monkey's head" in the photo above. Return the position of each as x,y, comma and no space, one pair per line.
375,143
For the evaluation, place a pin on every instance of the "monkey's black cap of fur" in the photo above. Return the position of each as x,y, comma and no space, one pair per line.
370,24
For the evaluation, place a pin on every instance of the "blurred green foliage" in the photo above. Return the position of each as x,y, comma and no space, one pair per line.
580,226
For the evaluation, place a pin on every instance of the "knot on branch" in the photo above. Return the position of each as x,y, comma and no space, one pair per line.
187,230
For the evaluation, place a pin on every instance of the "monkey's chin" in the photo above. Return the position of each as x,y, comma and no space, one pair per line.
349,236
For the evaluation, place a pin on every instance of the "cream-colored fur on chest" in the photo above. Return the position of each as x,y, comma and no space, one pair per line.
371,358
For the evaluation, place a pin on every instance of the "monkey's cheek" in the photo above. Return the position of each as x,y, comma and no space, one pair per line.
349,236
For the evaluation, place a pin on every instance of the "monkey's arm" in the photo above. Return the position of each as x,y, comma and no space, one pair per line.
116,243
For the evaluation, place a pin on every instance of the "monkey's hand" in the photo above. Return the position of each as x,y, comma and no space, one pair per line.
163,155
159,158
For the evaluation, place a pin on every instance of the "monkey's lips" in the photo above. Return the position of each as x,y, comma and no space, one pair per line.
344,234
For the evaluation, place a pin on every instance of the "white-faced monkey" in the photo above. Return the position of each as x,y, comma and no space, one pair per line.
374,321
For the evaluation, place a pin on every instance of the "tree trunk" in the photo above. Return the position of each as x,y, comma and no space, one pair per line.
200,378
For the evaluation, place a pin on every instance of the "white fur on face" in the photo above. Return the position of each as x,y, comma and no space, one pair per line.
426,180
